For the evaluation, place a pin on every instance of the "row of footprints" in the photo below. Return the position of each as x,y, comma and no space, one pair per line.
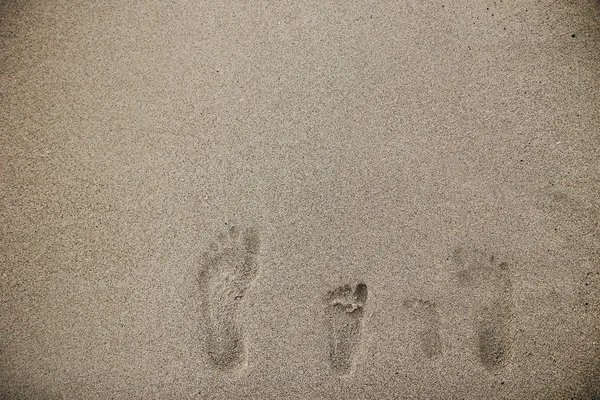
231,265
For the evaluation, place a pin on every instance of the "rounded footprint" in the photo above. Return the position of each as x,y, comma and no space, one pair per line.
226,273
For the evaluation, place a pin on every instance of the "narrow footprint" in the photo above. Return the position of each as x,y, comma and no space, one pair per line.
226,272
345,317
426,312
492,322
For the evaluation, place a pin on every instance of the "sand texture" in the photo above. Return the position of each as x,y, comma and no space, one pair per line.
300,200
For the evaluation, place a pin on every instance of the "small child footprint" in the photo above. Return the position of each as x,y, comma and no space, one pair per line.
344,317
492,322
227,271
426,312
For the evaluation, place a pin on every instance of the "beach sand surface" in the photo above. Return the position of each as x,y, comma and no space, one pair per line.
300,200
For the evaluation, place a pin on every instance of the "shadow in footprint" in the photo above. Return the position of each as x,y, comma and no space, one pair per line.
493,318
227,271
344,317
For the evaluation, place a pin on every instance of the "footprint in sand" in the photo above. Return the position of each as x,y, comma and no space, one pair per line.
344,318
425,311
492,321
227,271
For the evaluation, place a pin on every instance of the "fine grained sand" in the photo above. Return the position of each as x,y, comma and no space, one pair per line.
300,200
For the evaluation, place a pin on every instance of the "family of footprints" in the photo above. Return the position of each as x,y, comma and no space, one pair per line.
231,265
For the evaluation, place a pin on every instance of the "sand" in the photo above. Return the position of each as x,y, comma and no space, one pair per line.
300,200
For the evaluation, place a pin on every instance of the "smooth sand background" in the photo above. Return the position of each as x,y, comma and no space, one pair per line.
366,141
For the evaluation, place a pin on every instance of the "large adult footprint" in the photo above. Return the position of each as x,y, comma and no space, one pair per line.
344,317
227,271
493,318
